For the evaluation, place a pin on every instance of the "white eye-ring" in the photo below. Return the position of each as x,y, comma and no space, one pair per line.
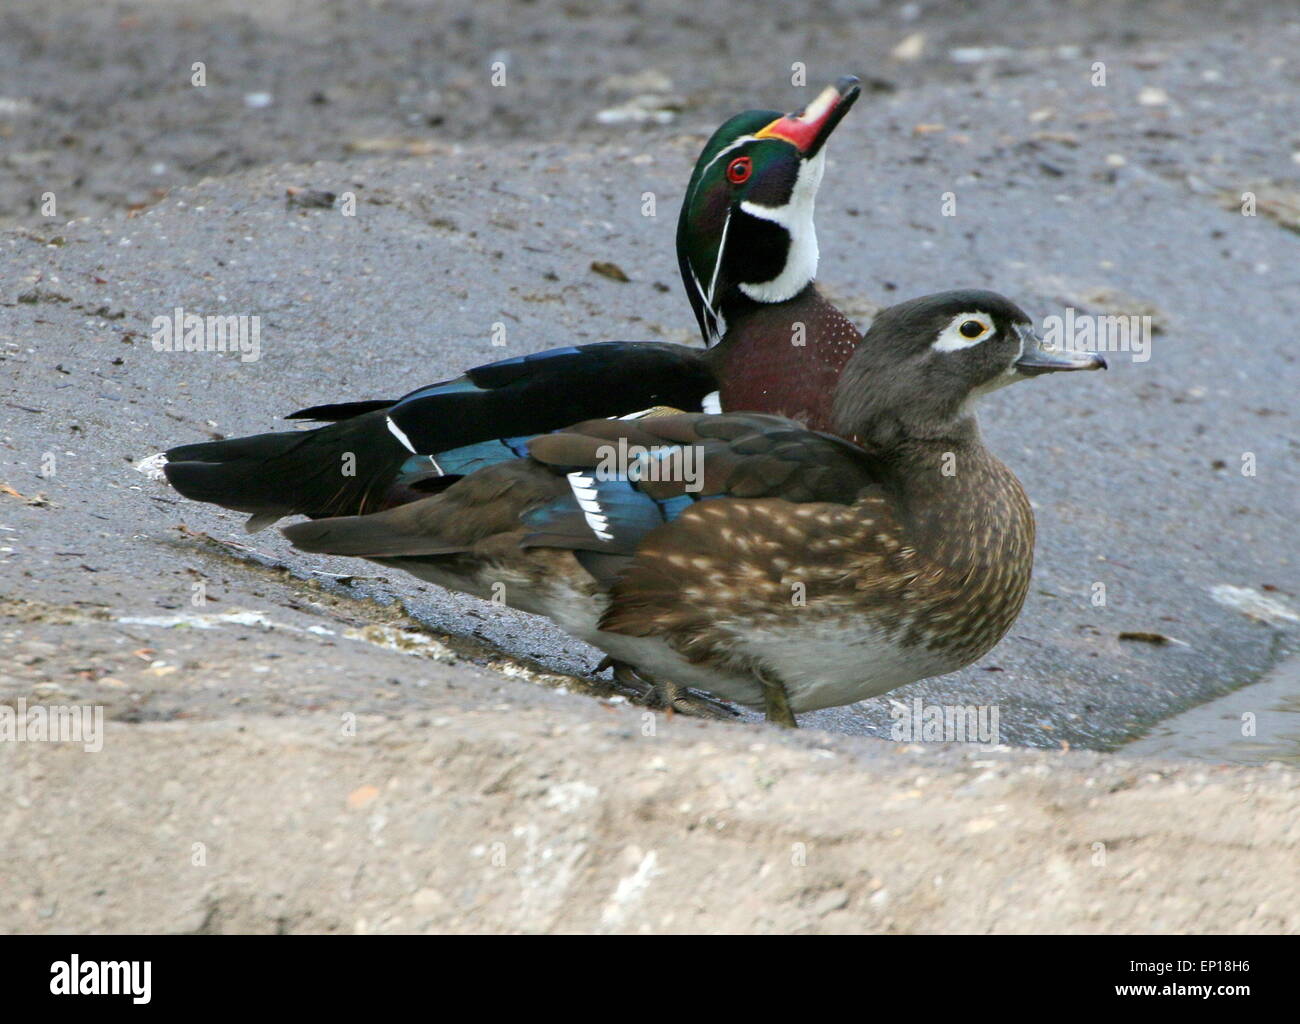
963,331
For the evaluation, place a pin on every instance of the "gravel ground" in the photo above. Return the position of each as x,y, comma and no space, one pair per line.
479,205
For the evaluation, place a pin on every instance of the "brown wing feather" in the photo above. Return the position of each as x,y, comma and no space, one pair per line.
481,506
745,455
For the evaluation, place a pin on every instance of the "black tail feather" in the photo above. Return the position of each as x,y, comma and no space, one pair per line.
339,410
365,458
341,469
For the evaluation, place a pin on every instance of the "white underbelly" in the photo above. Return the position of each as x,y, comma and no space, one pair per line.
828,664
822,663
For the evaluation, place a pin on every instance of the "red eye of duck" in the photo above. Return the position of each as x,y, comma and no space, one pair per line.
739,170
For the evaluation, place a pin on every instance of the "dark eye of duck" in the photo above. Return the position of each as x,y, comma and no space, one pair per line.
971,329
739,170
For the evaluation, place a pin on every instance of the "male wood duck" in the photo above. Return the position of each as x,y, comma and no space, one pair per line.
747,250
792,569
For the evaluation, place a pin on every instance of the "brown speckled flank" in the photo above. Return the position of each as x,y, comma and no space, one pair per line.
944,566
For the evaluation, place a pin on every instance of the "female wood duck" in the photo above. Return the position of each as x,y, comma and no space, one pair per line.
793,569
747,249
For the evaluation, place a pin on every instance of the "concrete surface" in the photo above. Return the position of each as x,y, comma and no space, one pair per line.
487,821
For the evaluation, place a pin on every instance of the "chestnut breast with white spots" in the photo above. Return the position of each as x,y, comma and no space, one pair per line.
786,360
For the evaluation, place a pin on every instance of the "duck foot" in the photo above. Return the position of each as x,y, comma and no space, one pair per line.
776,702
686,701
664,695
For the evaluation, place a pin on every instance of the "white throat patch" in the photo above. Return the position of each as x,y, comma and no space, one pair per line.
796,216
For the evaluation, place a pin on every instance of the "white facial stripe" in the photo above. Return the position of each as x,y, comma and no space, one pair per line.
1020,336
712,403
951,339
796,216
712,321
717,264
723,152
719,327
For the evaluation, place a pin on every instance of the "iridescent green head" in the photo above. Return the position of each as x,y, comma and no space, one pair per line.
746,231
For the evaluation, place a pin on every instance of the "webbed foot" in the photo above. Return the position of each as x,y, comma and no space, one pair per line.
659,694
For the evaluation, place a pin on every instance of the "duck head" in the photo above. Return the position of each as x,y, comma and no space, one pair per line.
923,363
746,234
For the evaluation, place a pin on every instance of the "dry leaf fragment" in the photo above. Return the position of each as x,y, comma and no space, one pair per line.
309,197
36,501
1159,639
611,270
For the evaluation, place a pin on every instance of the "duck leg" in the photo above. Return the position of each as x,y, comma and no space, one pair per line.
776,701
657,693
